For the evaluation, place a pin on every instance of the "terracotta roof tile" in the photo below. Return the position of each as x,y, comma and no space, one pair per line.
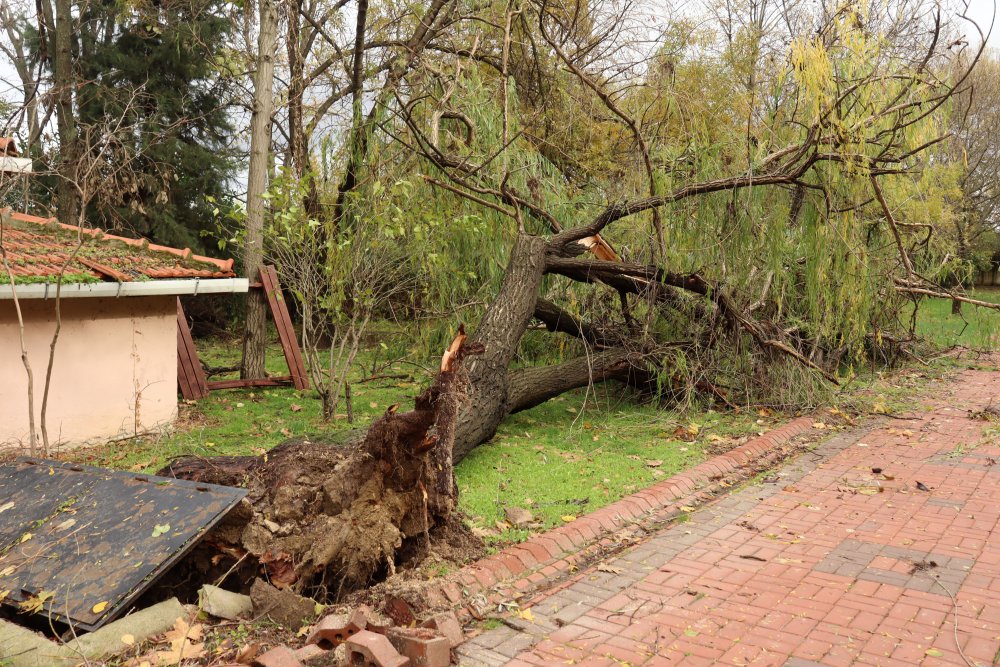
8,147
37,248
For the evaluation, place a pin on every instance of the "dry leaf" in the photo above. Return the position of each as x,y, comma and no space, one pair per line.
35,603
128,640
246,654
604,567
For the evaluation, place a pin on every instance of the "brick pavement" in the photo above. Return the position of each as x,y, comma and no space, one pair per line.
831,564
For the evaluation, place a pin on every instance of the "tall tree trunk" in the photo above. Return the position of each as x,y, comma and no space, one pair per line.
254,339
65,84
964,255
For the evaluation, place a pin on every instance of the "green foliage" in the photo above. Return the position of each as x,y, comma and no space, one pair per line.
151,79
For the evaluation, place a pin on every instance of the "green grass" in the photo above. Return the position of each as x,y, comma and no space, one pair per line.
250,421
579,452
564,458
977,328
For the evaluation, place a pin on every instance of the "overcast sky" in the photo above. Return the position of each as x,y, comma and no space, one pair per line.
981,11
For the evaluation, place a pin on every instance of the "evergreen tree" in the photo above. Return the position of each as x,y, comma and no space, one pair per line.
154,69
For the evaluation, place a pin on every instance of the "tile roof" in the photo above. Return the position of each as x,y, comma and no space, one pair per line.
8,147
37,248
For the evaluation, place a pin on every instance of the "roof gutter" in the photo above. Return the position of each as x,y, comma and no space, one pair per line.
191,286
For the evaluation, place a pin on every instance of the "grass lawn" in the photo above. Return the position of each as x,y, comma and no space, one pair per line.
977,328
566,457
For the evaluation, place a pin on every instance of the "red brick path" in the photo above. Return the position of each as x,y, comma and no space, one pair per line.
828,564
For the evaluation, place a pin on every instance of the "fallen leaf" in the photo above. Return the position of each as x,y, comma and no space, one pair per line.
934,653
8,570
68,523
161,530
653,463
246,654
687,508
99,607
295,407
128,640
568,517
6,506
35,603
604,567
526,615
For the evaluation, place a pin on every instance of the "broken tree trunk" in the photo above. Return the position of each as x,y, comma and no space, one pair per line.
329,518
333,517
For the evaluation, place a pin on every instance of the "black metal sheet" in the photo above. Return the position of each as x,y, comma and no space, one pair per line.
96,538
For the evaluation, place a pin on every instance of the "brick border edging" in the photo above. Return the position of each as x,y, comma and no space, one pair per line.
525,564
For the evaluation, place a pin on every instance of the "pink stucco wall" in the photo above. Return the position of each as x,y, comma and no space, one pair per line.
115,369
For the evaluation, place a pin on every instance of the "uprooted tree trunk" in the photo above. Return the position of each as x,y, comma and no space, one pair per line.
333,517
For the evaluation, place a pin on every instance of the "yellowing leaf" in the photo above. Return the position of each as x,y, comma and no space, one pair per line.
99,607
26,537
8,570
128,640
687,508
526,615
568,517
35,603
934,653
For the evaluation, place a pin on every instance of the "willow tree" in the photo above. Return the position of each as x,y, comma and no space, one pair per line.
740,246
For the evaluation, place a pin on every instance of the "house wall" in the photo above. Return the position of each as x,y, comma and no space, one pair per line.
115,370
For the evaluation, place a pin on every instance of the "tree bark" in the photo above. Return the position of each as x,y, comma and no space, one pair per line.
63,82
964,255
254,339
499,332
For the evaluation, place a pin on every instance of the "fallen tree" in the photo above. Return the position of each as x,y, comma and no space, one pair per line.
334,517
